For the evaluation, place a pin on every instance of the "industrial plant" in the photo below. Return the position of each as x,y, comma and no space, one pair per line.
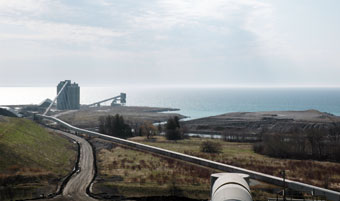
117,100
68,95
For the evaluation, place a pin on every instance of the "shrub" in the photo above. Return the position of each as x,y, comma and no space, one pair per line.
211,147
258,147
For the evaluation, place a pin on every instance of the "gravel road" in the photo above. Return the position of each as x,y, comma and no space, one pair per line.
75,189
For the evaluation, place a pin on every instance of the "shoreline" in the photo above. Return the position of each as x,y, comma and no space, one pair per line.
234,123
254,123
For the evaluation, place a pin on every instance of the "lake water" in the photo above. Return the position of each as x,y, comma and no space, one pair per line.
195,102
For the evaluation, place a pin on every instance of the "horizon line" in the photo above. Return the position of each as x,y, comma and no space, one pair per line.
211,86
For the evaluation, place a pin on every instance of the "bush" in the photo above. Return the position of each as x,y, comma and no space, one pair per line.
211,147
258,147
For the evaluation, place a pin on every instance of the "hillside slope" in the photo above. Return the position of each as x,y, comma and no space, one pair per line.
31,158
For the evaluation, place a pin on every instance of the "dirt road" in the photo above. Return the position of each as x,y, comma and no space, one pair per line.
75,189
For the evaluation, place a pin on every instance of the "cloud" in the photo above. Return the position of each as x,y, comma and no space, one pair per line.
27,7
46,20
42,30
159,24
215,40
167,14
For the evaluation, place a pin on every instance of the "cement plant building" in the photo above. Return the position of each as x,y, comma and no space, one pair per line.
69,98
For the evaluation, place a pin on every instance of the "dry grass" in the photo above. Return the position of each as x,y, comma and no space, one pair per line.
323,174
150,175
132,173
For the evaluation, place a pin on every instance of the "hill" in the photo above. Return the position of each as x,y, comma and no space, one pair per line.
261,122
32,160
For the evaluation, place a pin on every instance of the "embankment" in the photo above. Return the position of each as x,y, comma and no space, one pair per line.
32,160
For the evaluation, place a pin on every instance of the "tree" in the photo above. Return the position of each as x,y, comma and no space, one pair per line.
176,120
148,130
316,139
159,127
334,133
173,129
114,126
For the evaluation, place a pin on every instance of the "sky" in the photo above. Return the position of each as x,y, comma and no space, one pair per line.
170,42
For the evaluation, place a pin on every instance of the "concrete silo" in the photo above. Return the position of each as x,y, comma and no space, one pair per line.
69,98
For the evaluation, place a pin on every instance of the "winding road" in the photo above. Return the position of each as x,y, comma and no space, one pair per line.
75,189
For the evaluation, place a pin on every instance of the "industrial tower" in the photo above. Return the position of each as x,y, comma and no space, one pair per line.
69,98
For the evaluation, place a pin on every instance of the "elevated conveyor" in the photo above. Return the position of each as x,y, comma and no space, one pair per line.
121,99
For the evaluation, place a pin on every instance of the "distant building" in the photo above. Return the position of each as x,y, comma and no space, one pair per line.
69,98
123,98
45,103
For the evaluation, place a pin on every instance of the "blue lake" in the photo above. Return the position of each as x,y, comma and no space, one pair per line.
195,102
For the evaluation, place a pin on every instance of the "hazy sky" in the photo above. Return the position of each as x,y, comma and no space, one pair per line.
166,42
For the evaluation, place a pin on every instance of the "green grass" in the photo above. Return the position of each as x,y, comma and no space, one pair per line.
32,160
27,147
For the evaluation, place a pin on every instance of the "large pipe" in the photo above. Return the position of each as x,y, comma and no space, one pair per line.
230,187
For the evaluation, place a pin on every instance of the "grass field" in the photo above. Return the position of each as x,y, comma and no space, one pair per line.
31,157
323,174
132,173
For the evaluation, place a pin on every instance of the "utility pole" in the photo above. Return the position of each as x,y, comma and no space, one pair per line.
283,173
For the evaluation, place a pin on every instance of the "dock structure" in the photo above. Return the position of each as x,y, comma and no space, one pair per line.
69,97
117,100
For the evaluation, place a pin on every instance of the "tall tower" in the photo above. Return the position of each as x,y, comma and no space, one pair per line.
69,99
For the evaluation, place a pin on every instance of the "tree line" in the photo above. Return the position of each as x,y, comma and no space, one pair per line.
116,126
314,143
